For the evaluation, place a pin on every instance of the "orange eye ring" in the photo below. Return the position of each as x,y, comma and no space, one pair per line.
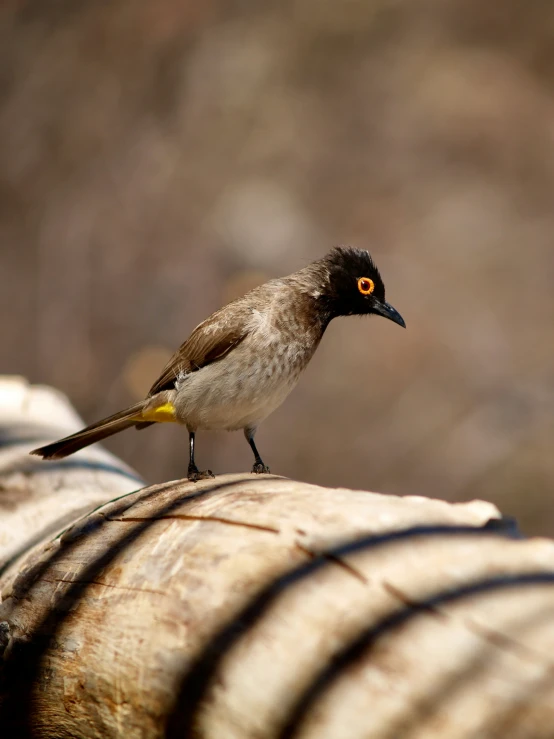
366,285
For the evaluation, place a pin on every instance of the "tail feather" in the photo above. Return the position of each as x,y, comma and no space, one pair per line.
91,434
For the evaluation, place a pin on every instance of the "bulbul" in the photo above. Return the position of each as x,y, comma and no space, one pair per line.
239,364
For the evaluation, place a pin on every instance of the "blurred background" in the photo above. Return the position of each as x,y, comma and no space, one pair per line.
159,158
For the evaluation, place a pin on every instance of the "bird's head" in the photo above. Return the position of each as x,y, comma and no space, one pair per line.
353,285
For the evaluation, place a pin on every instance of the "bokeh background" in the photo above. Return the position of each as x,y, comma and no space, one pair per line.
159,157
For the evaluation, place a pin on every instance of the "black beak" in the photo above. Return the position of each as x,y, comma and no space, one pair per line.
387,311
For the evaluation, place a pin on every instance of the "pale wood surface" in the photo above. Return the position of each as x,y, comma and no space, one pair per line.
254,607
38,499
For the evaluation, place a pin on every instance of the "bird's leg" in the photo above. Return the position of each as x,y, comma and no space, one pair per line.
259,467
194,473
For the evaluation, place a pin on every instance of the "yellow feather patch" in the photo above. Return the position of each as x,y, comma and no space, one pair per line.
162,414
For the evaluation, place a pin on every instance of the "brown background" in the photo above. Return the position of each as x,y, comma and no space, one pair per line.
157,158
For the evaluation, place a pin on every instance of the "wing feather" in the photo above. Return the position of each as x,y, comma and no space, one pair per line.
209,342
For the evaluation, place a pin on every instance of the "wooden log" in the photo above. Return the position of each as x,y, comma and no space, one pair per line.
38,500
260,607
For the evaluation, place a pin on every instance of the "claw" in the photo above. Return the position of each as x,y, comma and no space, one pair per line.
195,475
260,469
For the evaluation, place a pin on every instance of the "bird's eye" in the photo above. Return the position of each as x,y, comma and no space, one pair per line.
366,286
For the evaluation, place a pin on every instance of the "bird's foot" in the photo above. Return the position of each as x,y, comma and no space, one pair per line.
260,468
194,474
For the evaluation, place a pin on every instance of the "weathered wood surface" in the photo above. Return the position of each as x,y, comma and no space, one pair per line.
254,607
37,500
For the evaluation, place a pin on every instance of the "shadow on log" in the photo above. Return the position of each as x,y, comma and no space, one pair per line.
262,607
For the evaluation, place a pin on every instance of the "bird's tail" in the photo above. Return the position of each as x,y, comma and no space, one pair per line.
93,433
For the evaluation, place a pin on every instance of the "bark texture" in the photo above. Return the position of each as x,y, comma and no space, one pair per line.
259,607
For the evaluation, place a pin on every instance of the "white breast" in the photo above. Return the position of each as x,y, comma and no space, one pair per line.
250,382
243,388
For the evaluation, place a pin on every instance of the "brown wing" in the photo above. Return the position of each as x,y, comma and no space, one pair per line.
210,341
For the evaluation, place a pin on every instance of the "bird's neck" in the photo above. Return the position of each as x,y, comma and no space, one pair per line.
312,298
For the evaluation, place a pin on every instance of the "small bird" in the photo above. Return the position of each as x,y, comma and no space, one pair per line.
240,364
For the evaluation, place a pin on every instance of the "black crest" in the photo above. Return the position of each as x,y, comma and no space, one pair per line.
346,266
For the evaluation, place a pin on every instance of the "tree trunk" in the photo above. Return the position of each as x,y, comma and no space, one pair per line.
259,607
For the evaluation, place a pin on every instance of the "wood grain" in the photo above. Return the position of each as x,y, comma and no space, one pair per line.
259,607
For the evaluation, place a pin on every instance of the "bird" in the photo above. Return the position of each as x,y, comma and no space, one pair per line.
240,364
